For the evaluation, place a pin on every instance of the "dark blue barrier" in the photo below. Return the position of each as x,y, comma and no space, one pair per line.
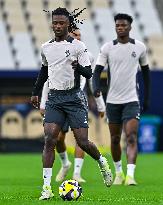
156,95
149,133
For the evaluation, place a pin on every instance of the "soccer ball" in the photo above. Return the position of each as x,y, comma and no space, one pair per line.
70,190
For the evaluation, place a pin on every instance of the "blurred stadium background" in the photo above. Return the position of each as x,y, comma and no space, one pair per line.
24,26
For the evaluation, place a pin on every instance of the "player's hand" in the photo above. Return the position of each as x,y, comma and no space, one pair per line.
101,114
74,64
97,93
42,111
35,101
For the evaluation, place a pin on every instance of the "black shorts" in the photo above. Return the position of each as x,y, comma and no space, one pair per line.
118,113
66,105
65,126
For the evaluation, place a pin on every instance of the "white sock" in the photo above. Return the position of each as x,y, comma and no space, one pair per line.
64,158
131,170
118,166
78,163
47,174
101,161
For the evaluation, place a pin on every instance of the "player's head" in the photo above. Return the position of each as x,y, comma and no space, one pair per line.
123,24
64,21
60,21
76,34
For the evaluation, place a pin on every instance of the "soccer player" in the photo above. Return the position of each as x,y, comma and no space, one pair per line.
123,55
61,146
64,59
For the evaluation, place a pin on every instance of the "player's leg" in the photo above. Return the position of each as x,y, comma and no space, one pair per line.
51,134
61,149
131,115
114,112
115,134
78,118
81,136
130,129
54,119
66,164
78,164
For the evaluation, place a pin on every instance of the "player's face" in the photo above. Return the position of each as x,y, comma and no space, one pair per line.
122,28
60,25
76,34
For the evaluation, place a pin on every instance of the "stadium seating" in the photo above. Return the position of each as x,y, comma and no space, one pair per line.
25,57
24,26
7,62
156,43
12,125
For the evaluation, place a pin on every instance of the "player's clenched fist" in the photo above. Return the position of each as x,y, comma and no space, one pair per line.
74,64
35,101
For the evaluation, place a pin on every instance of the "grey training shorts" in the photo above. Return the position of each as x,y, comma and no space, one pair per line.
68,105
118,113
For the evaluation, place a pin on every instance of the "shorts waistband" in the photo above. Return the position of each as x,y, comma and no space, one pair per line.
64,92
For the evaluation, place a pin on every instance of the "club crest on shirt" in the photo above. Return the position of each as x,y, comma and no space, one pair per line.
133,54
67,52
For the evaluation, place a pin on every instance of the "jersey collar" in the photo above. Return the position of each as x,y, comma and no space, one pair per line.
131,40
69,39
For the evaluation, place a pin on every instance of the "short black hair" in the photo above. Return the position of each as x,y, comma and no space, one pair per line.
121,16
72,17
61,11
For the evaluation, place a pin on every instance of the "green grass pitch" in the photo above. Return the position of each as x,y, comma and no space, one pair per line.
21,182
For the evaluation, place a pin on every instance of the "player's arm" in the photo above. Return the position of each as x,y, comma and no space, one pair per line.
42,77
85,71
83,65
99,100
100,105
146,77
83,79
100,64
44,98
96,80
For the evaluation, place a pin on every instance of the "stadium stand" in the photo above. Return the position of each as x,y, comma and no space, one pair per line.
25,26
33,125
149,17
12,125
159,6
156,43
7,62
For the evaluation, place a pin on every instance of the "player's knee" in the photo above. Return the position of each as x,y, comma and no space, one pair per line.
115,140
83,144
132,138
50,141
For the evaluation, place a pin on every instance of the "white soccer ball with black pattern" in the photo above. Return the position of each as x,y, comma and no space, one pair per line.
70,190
